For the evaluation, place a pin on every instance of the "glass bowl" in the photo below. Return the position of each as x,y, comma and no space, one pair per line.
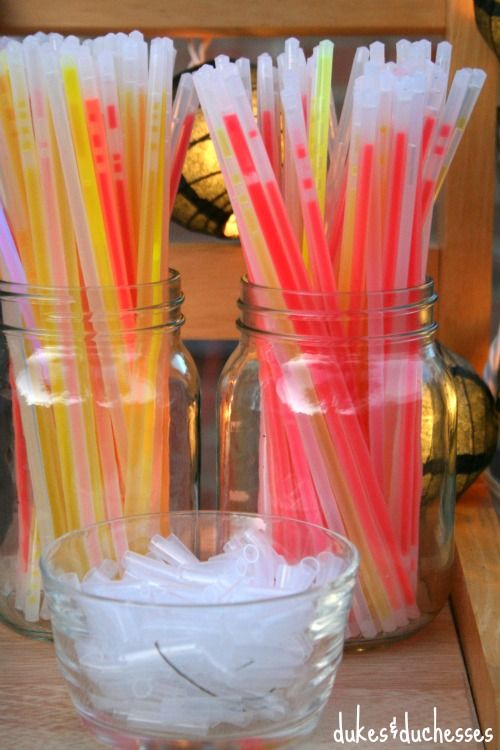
228,672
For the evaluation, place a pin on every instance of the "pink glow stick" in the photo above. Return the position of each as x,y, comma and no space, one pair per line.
338,162
114,134
262,187
292,65
371,502
361,461
393,221
411,182
102,166
364,192
258,263
183,114
321,267
266,110
443,136
23,487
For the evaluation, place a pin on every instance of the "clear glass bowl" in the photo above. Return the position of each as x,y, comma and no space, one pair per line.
218,676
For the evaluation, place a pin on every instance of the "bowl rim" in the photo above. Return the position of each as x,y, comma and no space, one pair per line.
53,582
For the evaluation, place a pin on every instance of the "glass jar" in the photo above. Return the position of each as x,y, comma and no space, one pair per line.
99,411
337,409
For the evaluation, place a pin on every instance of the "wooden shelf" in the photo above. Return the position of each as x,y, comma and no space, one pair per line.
423,673
476,599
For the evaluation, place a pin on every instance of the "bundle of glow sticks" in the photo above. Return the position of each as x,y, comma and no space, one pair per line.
342,205
91,152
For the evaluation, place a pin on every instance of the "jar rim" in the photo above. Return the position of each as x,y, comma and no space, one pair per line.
103,311
16,288
316,316
423,290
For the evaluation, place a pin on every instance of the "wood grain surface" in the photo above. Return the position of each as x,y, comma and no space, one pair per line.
466,216
476,599
415,675
198,17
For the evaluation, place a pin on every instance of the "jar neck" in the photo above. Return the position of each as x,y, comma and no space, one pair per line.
124,309
406,313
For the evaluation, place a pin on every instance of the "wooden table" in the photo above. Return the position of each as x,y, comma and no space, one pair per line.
423,675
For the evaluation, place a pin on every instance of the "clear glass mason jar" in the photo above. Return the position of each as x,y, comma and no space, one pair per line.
99,407
338,409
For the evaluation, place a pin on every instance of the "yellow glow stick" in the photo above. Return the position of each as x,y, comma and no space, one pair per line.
116,381
33,580
134,83
320,119
146,416
52,425
319,123
100,487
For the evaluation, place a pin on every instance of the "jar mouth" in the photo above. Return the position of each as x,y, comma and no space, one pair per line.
319,316
252,294
91,310
40,290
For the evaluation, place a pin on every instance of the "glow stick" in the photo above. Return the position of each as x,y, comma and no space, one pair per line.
92,265
80,471
244,160
319,119
103,273
266,111
291,66
87,493
377,54
403,47
28,159
33,581
374,259
338,162
148,420
243,66
261,184
257,258
183,113
25,415
102,168
151,234
412,161
420,52
434,100
345,259
321,267
397,176
294,60
131,120
47,421
11,174
443,59
332,127
23,486
443,136
475,85
114,133
142,84
364,190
